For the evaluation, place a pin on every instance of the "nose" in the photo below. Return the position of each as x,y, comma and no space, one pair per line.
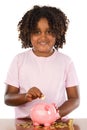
43,35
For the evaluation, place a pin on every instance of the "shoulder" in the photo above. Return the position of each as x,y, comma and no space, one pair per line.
22,55
63,57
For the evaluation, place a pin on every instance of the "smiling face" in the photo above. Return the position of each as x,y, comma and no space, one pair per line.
43,39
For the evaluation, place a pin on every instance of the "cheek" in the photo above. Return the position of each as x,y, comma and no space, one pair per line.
33,40
53,40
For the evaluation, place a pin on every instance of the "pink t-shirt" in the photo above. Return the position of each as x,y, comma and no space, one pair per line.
50,74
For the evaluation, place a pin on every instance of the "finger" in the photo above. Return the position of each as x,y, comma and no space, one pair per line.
35,92
38,92
28,97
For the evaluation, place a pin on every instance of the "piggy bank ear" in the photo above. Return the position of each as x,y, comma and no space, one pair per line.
54,104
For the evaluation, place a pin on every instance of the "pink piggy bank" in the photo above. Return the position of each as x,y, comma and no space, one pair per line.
43,113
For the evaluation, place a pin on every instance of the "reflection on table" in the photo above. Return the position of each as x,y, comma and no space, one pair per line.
22,124
58,125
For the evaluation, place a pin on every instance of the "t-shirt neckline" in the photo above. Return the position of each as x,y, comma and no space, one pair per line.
51,57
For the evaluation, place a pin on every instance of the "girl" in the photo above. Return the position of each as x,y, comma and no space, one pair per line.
42,70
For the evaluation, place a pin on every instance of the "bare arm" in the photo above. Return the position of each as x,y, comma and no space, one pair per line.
12,96
72,102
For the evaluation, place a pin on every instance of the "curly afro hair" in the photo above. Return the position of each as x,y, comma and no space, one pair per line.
57,21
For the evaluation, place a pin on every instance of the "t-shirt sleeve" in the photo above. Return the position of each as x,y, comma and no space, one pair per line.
13,73
71,77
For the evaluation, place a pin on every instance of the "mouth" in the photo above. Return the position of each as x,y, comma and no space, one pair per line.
43,43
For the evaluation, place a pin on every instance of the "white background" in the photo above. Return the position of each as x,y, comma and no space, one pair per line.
11,12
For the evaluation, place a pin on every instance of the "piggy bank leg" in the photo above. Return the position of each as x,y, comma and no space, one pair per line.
35,123
47,124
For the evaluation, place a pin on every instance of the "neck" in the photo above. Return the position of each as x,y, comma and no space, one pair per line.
41,54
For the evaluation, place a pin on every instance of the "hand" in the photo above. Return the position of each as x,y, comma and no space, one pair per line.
58,114
33,93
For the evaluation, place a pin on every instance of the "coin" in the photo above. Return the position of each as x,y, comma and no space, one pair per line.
42,97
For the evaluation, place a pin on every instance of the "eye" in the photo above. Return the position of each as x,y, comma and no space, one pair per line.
49,32
36,32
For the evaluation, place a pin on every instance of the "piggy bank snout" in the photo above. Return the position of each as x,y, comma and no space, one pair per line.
47,107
